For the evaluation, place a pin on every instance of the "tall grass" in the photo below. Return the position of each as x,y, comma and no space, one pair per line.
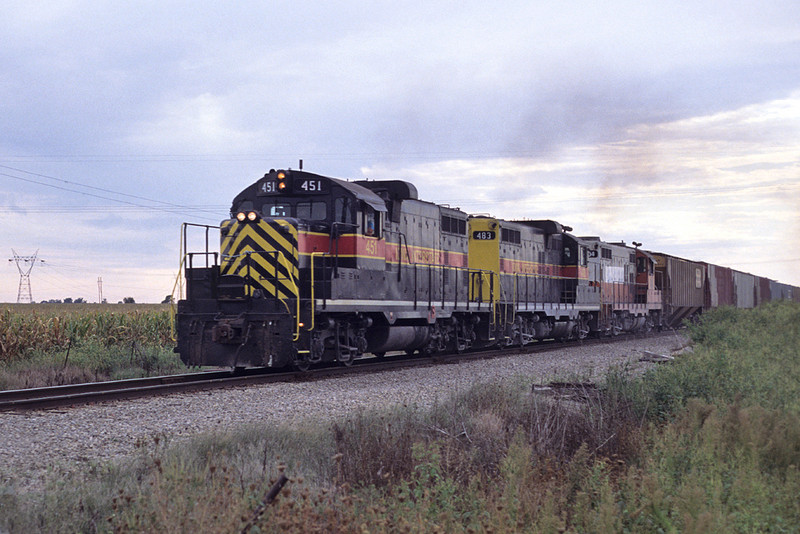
49,327
749,355
52,344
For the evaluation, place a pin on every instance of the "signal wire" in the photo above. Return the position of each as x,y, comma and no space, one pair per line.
170,207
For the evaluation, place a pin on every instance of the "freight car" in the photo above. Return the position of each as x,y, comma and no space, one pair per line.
683,285
317,269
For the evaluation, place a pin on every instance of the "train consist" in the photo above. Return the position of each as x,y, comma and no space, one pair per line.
318,269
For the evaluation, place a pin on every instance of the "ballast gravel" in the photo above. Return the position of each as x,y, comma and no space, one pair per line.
36,447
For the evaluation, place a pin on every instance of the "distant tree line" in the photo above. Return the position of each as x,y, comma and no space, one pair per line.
127,300
79,300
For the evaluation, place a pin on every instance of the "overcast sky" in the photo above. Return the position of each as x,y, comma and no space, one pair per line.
676,124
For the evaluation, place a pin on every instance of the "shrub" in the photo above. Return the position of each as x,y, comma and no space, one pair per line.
750,355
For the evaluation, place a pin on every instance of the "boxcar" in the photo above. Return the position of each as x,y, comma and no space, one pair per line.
763,293
779,291
683,284
745,287
719,286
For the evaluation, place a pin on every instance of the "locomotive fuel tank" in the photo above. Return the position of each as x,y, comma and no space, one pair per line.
392,338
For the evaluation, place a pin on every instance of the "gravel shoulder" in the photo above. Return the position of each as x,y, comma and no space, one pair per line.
38,446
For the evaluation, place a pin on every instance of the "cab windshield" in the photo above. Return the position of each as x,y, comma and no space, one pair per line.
309,210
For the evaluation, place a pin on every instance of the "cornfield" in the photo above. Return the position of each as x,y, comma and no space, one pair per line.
52,327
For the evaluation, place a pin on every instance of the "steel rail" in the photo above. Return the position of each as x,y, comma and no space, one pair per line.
59,396
93,392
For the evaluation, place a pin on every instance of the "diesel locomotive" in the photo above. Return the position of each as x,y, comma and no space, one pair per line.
317,269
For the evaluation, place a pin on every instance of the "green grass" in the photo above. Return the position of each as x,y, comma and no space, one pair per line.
749,355
708,443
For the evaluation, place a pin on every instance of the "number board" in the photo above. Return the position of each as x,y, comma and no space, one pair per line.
484,235
303,185
266,187
298,186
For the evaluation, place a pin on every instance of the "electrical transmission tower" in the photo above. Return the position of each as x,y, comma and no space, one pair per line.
25,266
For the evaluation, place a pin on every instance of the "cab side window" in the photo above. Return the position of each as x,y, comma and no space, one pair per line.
369,223
641,265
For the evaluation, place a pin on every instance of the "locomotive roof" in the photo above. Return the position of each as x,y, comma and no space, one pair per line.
361,193
358,191
547,226
393,189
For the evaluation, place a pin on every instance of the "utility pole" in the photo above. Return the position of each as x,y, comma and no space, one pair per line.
100,289
24,266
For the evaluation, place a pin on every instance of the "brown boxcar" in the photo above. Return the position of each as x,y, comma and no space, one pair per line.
763,293
719,287
683,284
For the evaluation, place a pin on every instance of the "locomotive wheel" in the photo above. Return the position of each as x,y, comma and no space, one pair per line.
346,355
301,362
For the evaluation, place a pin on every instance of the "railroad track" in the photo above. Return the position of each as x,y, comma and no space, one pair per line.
69,395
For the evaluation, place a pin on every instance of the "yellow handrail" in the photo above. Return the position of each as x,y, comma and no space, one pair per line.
293,281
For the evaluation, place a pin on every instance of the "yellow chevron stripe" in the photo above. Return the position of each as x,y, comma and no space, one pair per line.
233,243
271,228
240,232
263,259
287,287
269,253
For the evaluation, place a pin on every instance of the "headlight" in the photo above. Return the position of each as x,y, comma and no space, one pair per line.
241,216
252,216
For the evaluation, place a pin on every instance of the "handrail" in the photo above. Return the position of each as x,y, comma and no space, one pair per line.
288,267
400,238
334,238
313,283
182,256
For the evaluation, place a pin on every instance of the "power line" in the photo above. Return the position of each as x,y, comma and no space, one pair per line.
164,206
100,209
84,185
